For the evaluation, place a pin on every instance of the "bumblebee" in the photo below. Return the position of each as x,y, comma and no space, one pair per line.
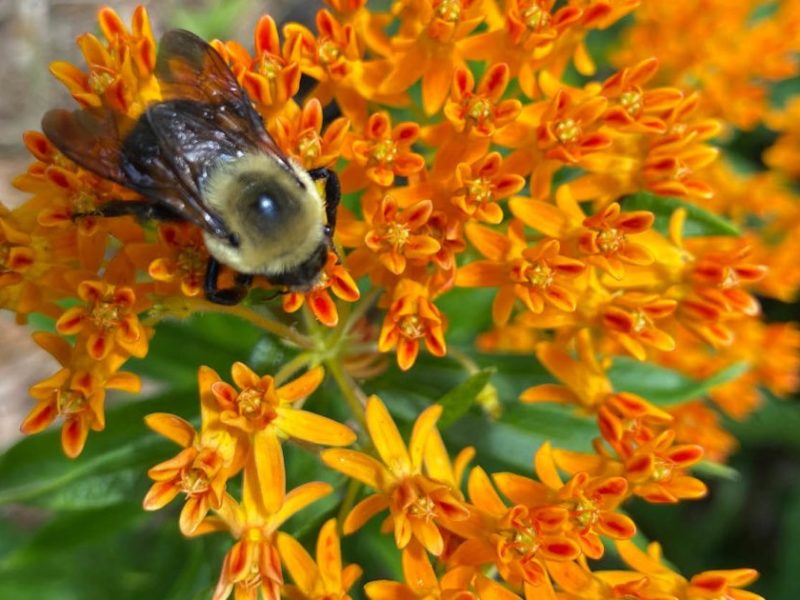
203,155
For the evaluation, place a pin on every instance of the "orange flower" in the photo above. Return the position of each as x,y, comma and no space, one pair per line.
519,540
481,111
269,77
629,321
200,470
534,275
399,236
326,578
419,505
301,136
381,154
606,243
259,415
120,72
252,567
411,318
427,47
634,109
566,128
107,320
76,393
16,254
334,277
481,185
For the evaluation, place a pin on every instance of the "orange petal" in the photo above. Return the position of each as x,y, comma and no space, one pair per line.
386,437
364,511
357,465
314,428
171,427
302,387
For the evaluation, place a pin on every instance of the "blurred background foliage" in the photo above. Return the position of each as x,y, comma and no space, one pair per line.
76,530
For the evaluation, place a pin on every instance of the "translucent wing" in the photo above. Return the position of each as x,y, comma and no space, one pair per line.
188,68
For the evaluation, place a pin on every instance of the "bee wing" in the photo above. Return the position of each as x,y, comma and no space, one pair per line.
91,139
189,68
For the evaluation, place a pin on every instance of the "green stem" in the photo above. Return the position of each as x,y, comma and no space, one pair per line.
356,399
464,359
292,367
260,321
353,488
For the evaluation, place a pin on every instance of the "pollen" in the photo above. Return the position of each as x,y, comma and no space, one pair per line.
250,401
586,512
99,81
105,314
83,203
631,101
479,190
730,279
423,508
540,276
567,131
662,470
269,66
190,261
329,52
536,18
195,481
310,146
525,541
385,151
610,240
480,109
640,321
449,10
397,235
411,327
71,402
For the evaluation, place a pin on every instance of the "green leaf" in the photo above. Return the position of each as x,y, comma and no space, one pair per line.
663,386
36,468
699,222
716,470
511,441
458,401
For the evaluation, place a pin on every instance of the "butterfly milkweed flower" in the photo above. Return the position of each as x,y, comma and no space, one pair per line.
420,506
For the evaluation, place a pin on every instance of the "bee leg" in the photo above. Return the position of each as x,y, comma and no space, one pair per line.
228,296
333,193
141,209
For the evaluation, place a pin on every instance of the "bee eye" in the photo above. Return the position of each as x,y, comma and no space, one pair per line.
267,206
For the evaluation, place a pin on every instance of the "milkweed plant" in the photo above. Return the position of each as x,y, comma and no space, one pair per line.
543,306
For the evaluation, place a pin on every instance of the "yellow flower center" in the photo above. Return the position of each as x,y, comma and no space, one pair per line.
681,171
449,10
479,190
397,235
730,279
310,146
610,240
631,101
269,66
480,109
83,203
99,81
329,52
662,470
423,508
411,327
385,151
640,321
540,275
105,314
567,131
535,17
525,541
586,512
71,402
194,481
250,402
190,261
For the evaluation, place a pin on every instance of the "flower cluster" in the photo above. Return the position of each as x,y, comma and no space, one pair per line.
476,148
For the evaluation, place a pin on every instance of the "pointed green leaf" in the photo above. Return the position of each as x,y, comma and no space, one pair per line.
663,386
457,401
699,222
